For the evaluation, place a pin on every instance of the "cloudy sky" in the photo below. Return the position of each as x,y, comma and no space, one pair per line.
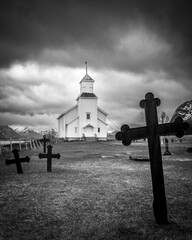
132,47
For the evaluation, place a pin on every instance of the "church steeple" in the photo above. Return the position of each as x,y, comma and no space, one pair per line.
86,84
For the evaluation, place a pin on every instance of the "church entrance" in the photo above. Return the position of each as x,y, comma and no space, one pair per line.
88,131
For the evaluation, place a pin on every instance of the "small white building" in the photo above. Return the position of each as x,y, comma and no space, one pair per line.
85,120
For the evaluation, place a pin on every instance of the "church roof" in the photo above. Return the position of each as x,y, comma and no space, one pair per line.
87,95
88,125
101,110
70,109
87,78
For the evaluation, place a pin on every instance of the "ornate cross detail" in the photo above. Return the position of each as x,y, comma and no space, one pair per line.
49,157
17,160
152,132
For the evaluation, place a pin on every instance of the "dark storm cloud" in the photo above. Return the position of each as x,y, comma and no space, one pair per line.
132,47
91,29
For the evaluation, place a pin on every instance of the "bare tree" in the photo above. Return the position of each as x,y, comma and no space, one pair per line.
52,135
164,118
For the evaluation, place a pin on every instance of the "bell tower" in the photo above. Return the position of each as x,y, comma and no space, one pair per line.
86,84
87,107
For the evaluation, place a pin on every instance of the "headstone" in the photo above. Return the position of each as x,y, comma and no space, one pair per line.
49,157
152,132
167,152
17,160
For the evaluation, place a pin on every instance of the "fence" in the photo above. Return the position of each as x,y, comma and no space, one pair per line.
21,144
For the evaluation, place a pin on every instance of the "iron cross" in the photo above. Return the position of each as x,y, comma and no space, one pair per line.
45,141
17,160
49,157
152,132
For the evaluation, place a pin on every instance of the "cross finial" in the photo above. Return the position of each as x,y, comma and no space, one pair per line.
86,66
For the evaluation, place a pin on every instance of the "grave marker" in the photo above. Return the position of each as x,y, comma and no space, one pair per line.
45,141
17,160
49,157
152,132
167,152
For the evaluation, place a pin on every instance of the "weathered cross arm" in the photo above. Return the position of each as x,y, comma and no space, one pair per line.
17,160
127,134
11,161
41,155
26,159
178,128
56,156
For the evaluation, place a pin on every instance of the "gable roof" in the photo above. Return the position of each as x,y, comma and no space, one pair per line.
87,78
102,121
70,109
87,95
72,121
101,110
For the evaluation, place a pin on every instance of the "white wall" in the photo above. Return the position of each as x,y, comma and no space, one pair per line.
103,130
86,86
66,119
71,129
71,115
87,105
61,127
101,116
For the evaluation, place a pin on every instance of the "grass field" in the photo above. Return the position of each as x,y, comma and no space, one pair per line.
94,192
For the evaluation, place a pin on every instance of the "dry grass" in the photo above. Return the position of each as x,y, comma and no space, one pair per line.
94,192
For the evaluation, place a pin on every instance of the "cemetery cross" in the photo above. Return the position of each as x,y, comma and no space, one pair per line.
45,141
17,160
152,131
49,157
167,152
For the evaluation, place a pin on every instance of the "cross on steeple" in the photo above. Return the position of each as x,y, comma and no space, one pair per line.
86,66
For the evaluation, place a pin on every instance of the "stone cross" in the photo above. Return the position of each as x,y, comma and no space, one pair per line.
45,141
49,157
152,132
17,160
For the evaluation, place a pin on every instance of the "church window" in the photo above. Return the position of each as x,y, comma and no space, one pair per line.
99,130
88,116
75,129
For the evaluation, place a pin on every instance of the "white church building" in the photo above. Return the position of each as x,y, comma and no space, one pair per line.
85,120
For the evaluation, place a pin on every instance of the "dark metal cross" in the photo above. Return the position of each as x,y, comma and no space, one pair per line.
17,160
45,141
49,157
167,152
152,131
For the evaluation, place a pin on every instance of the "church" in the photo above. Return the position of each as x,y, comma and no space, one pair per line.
85,120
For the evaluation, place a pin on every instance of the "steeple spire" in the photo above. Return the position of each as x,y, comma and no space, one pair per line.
86,66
